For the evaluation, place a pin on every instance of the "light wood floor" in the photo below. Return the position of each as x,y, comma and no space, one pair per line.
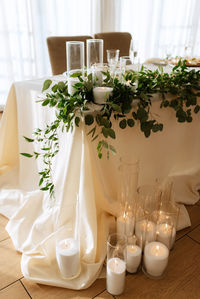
182,279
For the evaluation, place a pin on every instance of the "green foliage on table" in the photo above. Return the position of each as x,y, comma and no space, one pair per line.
130,103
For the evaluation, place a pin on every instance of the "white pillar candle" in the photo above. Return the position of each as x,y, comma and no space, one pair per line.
134,254
155,258
115,277
125,225
71,83
166,234
101,94
145,231
68,257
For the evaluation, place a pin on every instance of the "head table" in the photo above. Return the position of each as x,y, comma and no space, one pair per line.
35,220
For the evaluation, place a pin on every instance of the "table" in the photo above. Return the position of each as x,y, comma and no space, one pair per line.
36,221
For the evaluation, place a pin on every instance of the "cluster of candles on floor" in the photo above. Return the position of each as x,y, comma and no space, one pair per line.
144,236
144,241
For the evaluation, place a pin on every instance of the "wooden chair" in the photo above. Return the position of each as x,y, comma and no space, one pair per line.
57,51
115,40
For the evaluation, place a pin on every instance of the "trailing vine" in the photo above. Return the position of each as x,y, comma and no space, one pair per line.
130,102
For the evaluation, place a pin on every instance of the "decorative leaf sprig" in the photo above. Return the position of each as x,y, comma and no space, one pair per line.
129,103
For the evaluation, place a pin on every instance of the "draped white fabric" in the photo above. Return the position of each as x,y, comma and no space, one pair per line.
159,27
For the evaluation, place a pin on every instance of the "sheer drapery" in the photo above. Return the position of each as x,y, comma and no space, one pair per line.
159,28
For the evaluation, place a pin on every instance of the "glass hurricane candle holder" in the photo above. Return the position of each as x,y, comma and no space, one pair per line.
155,259
98,70
133,255
127,190
116,263
145,225
94,53
75,57
112,59
168,212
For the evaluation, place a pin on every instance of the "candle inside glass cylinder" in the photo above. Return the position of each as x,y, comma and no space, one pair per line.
125,225
71,83
145,231
115,277
134,254
155,258
68,257
101,94
166,234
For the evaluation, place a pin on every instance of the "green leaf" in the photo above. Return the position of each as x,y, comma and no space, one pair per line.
105,132
89,119
123,124
197,109
116,107
76,75
28,139
111,133
130,122
45,102
26,155
54,88
41,181
77,121
46,84
112,149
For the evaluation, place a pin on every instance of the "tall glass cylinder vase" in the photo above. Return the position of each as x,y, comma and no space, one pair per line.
75,57
75,63
127,196
94,52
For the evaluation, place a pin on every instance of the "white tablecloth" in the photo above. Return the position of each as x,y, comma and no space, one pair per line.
36,221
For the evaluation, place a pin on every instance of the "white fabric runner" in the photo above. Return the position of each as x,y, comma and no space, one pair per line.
36,221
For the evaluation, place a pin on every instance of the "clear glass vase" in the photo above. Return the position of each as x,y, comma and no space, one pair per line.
94,53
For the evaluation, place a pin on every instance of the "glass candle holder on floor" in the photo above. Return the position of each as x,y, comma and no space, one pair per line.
155,259
116,264
134,255
94,53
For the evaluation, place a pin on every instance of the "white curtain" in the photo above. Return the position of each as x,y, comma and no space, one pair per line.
159,27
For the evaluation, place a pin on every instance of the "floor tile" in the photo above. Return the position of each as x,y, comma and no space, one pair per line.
14,291
104,295
195,234
194,213
182,277
40,291
9,263
3,233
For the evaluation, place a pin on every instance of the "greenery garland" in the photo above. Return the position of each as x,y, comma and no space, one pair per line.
135,91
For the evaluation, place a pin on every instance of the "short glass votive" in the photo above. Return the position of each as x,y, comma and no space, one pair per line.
155,259
75,57
94,53
101,94
116,263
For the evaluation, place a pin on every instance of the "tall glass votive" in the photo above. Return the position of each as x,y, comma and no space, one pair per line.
168,213
98,71
75,63
75,57
116,263
94,52
112,59
148,202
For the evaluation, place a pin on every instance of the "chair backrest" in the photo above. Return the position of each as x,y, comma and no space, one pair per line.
57,51
115,40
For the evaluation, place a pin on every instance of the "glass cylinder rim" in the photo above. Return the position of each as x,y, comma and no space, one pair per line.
122,237
94,39
74,42
112,50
